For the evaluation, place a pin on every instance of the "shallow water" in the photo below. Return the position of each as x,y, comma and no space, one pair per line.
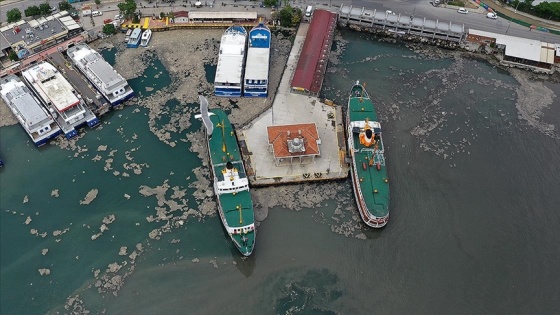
474,221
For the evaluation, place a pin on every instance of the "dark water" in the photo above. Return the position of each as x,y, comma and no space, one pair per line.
210,72
474,222
109,55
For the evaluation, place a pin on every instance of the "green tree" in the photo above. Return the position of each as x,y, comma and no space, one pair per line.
64,6
13,56
296,16
548,10
13,15
269,3
128,7
287,16
32,11
44,8
97,2
109,29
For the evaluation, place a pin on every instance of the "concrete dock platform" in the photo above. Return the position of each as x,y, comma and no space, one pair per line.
288,109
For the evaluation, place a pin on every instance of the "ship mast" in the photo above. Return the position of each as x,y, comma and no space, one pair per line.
205,116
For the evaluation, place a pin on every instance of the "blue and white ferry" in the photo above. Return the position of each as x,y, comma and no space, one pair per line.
134,40
35,120
60,98
100,73
229,80
258,61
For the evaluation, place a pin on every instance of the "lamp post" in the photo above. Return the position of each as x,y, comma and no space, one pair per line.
511,18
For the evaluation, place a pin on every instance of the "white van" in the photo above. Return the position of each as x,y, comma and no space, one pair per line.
308,11
96,13
492,15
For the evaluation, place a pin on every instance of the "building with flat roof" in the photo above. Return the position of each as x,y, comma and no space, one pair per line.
222,17
288,142
518,51
38,34
400,23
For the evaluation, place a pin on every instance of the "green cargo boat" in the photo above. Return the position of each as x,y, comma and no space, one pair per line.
231,184
365,145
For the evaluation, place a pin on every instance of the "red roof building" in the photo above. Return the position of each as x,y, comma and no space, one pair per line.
299,141
314,56
181,14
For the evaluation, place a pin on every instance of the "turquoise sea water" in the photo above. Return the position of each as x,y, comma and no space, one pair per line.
474,221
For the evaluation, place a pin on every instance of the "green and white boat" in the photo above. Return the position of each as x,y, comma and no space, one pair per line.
231,184
368,171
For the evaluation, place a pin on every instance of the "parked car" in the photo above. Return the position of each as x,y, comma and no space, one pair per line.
389,12
492,15
96,13
463,11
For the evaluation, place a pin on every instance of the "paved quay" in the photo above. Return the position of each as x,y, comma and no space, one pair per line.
288,109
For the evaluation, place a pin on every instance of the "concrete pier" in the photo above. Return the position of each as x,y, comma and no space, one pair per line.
287,109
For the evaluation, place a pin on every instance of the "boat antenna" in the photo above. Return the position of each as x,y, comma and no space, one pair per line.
204,113
240,214
223,135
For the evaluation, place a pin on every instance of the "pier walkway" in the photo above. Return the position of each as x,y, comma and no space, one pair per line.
288,109
92,98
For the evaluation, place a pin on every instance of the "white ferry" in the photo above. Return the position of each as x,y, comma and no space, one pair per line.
59,97
258,58
37,122
100,73
134,40
146,36
228,81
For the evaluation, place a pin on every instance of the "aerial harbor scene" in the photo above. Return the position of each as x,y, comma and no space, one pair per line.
294,157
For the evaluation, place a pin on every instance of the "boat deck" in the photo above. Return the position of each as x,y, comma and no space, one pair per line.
92,98
223,143
373,183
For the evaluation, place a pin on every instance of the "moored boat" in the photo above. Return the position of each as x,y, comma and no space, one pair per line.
229,72
146,36
258,62
100,73
368,171
230,181
59,97
35,120
134,40
127,35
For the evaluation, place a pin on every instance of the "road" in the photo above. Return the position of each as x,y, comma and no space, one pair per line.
418,8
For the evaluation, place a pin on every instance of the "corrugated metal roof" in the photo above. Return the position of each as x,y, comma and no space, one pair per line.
311,53
222,15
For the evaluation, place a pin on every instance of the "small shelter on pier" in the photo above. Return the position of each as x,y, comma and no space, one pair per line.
288,142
